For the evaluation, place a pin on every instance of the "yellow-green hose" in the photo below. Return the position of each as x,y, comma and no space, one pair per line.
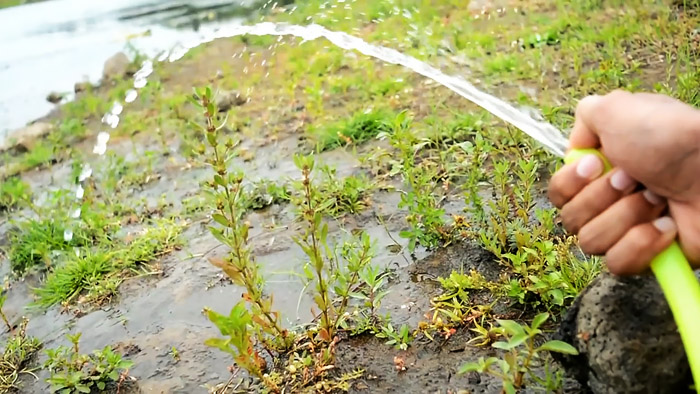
679,284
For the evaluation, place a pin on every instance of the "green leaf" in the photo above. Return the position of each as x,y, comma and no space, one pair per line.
517,340
101,385
82,388
470,367
502,345
508,388
511,327
211,138
114,375
219,218
218,234
539,319
559,347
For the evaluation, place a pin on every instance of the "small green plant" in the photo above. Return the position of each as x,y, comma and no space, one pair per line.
362,126
13,191
175,354
349,195
96,275
3,298
400,338
264,193
517,368
244,329
16,357
73,372
323,271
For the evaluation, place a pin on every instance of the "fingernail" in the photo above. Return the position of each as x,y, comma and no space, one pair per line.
589,167
621,181
665,224
653,198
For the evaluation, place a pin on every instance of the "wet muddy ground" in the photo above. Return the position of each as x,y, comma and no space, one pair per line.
159,312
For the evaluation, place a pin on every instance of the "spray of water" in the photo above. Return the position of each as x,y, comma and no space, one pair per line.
543,132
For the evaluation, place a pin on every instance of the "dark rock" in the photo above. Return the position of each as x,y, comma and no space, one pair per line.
55,97
116,66
81,86
228,100
627,338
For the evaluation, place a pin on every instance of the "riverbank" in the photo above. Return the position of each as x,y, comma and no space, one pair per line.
451,198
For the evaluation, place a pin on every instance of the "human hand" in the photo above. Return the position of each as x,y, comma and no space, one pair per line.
651,140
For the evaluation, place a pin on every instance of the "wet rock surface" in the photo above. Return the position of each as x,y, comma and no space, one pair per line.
116,66
23,139
230,99
627,338
81,86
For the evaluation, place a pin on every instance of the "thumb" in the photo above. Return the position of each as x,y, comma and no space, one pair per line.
583,134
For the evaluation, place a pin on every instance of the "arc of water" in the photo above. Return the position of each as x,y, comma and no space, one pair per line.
543,132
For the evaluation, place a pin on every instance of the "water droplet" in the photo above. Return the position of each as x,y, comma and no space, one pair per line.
102,138
67,235
139,83
85,173
177,54
117,108
111,120
130,96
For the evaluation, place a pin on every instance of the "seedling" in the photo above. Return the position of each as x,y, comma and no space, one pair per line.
400,338
73,372
13,192
517,367
19,352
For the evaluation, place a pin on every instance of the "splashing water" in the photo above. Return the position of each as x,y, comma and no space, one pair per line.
543,132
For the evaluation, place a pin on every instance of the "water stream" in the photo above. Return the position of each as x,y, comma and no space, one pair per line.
543,132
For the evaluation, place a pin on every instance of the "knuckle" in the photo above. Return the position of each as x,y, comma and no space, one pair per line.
555,192
639,238
571,220
588,241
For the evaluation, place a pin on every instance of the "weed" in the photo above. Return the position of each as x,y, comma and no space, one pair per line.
73,372
32,242
264,193
349,195
3,298
37,241
323,269
175,354
18,353
244,329
517,368
13,192
361,126
400,338
95,275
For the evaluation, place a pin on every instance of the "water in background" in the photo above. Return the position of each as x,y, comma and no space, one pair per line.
50,45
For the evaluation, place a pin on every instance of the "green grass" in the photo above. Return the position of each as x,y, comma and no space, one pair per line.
10,3
13,191
19,352
97,274
360,127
